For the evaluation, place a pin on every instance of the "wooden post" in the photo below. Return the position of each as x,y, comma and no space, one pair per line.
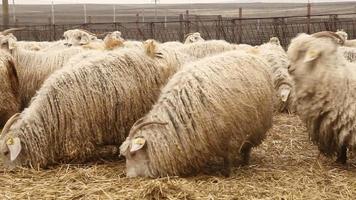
5,13
239,36
275,27
196,23
187,21
181,28
152,30
308,17
218,27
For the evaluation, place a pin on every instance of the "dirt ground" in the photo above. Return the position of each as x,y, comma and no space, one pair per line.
285,166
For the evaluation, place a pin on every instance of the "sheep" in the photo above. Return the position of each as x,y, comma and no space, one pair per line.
325,84
275,55
85,111
31,68
78,37
342,34
6,37
10,102
204,112
111,41
193,37
207,48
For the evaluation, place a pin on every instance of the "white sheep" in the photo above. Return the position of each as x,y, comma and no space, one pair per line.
203,113
84,111
78,37
275,55
325,84
193,37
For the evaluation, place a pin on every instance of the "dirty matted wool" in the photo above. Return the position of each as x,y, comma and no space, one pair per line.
83,110
212,107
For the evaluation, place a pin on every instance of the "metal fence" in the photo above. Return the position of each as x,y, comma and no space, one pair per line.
252,31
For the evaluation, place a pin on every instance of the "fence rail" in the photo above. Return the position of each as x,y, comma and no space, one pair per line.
252,31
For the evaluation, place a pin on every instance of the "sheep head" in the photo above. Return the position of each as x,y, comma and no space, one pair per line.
307,51
284,91
151,48
342,34
113,40
135,151
274,40
8,42
10,144
193,37
78,37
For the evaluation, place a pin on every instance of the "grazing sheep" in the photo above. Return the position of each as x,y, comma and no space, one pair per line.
193,37
275,55
325,84
31,68
9,92
85,111
207,48
203,113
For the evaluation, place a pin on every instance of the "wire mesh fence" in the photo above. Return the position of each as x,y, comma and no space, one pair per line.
252,31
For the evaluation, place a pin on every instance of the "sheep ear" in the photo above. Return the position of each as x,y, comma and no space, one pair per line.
14,145
137,144
284,93
11,43
311,55
124,147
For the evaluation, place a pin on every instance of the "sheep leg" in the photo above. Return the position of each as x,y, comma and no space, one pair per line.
245,152
227,166
342,155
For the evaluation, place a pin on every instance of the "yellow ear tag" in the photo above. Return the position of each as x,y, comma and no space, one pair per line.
10,141
139,141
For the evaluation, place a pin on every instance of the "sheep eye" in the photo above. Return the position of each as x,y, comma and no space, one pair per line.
79,37
6,153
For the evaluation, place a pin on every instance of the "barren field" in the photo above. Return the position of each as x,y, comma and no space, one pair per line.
285,166
74,14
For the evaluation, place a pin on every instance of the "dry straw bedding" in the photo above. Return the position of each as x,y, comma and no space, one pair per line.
285,166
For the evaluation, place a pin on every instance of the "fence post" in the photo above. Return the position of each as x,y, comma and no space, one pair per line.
308,17
187,21
54,32
152,31
239,36
275,27
219,27
196,23
181,28
334,22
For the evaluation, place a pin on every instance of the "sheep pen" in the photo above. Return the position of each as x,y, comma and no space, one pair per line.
285,166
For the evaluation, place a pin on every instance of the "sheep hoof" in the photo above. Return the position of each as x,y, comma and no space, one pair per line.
227,167
226,172
342,156
245,153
